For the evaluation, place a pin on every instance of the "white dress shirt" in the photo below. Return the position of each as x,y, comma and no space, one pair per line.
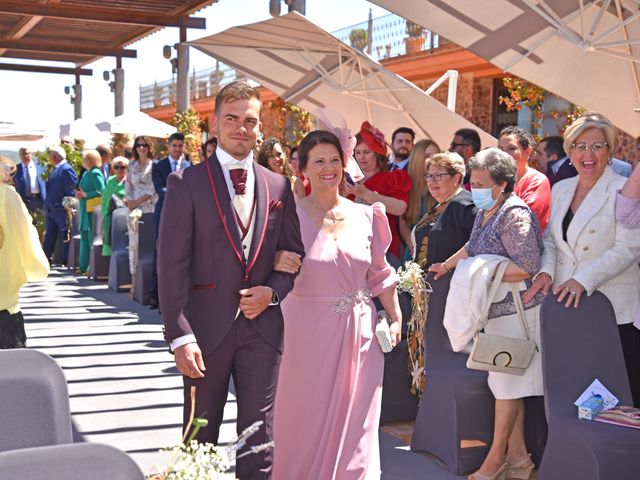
33,176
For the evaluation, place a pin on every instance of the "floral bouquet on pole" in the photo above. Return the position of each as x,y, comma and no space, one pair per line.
412,281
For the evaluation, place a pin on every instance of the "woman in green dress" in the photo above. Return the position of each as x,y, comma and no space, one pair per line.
91,186
115,186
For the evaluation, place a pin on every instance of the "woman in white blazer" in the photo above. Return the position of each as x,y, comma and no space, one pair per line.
585,249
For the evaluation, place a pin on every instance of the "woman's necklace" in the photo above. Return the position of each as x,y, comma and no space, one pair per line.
495,208
329,215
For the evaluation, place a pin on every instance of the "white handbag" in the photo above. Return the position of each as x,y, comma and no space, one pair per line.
502,354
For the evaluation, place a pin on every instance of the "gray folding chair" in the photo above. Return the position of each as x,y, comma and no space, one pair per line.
398,403
119,273
146,246
457,405
578,346
73,256
79,461
34,403
98,264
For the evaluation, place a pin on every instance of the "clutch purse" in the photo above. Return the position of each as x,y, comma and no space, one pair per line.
495,353
92,203
382,332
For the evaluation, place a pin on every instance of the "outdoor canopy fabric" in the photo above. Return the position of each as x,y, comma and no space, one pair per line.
586,51
309,67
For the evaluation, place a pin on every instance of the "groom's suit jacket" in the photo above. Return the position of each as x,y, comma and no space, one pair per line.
199,272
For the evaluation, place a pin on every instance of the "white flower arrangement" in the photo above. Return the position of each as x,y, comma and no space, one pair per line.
412,279
134,218
70,204
192,460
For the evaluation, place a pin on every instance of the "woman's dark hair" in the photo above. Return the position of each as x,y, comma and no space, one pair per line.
313,139
146,140
263,156
382,160
210,141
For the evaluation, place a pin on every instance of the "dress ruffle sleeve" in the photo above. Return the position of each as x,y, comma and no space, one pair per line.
381,275
628,211
398,185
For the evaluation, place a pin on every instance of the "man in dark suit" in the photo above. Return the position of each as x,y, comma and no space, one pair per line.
222,222
401,145
160,171
61,183
105,155
29,183
553,161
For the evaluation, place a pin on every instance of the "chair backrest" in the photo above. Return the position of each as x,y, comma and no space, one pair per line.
97,224
34,403
78,461
119,237
579,345
438,351
146,237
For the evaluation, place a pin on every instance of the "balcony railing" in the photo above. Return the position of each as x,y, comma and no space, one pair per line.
388,37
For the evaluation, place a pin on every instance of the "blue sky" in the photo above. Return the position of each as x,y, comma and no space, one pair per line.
39,99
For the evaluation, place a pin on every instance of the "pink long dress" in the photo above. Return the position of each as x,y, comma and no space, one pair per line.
327,406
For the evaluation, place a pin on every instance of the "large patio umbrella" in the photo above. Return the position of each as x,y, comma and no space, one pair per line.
309,67
587,51
14,132
139,123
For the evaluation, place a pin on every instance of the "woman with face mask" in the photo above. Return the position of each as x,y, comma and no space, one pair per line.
505,226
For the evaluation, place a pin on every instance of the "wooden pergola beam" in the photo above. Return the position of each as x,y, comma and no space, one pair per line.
59,47
44,69
99,14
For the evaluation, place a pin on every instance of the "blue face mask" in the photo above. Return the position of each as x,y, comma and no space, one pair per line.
482,198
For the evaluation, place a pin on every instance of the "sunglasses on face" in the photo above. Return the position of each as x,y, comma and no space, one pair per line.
142,145
119,167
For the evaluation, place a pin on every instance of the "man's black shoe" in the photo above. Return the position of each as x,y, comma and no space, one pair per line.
153,304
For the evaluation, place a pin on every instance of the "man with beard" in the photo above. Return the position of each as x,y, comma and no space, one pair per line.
402,144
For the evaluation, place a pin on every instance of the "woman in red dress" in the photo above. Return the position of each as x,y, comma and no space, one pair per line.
379,184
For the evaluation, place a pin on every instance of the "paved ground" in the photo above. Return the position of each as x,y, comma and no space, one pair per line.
124,389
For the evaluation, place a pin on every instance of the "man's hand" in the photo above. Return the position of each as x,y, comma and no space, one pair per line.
189,360
254,300
287,262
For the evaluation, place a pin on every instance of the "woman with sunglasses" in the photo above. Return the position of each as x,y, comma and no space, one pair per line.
139,193
585,249
115,186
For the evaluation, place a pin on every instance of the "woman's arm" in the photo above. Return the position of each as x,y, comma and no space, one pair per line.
441,269
405,234
631,189
392,205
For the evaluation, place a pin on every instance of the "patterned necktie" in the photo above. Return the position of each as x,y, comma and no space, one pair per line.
239,179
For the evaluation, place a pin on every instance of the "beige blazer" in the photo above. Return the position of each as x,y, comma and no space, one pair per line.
598,253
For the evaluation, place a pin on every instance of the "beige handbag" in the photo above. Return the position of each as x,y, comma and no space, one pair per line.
502,354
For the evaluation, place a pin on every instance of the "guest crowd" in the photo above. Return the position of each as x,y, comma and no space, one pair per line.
560,211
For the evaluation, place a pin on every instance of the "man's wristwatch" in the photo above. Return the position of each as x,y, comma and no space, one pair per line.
275,299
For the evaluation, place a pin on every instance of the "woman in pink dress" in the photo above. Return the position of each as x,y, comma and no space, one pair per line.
329,392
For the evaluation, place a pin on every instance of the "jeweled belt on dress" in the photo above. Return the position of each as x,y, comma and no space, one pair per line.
347,301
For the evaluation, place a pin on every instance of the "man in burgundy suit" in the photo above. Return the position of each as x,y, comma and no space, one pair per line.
222,223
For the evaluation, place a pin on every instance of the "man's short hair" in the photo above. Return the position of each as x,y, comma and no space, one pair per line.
403,130
176,136
469,136
235,91
524,138
103,150
553,146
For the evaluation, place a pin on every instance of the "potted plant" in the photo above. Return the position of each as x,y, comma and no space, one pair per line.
358,38
415,38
